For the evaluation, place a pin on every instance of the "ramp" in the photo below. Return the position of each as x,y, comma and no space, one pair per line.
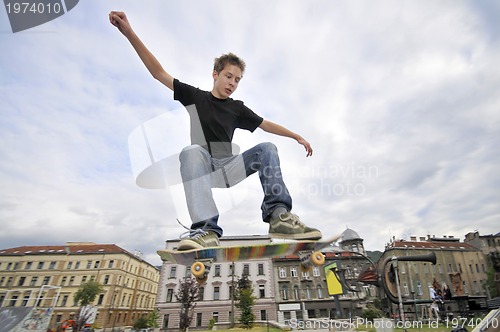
24,319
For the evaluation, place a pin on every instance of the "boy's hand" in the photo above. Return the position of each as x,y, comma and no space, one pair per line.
119,20
307,146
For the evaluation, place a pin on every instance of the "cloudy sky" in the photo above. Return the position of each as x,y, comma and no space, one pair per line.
399,99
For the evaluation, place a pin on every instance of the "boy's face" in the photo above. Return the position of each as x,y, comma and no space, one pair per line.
226,82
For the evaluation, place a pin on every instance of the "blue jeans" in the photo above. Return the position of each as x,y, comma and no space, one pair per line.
200,173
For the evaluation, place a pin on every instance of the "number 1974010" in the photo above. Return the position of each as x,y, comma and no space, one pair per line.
33,8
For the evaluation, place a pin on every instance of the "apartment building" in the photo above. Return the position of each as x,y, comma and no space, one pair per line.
490,246
49,276
459,266
214,300
304,295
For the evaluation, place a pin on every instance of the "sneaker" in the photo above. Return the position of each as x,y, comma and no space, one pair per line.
199,239
289,226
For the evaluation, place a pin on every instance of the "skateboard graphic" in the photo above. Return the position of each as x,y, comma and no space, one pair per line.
201,259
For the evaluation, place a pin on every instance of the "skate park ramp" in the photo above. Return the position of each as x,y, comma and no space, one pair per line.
24,319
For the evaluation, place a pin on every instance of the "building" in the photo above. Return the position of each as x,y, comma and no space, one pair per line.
490,246
304,295
214,300
459,266
49,276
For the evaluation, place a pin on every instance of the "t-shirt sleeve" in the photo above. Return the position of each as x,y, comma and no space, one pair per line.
185,93
248,119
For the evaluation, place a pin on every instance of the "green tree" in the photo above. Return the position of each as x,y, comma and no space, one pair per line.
245,301
491,283
187,294
84,297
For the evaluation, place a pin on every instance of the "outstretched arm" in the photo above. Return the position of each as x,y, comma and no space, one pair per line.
277,129
119,20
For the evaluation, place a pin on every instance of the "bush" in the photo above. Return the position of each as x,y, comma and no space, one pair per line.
372,312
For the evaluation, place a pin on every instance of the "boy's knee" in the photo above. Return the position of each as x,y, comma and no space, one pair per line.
192,153
268,147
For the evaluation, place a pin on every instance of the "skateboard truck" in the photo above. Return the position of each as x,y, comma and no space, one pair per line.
200,270
308,259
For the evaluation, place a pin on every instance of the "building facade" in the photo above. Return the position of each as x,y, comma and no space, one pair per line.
214,301
460,267
49,276
304,295
490,246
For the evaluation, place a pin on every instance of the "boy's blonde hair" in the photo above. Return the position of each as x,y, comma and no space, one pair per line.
228,59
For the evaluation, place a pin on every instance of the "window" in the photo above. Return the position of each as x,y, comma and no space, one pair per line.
201,293
96,265
63,280
46,280
40,266
89,265
246,269
28,265
260,269
71,281
13,300
296,292
406,290
215,316
199,319
308,292
170,295
84,279
284,292
293,272
77,265
216,293
282,272
52,265
21,281
173,272
320,292
217,270
419,288
101,299
33,281
165,321
263,315
262,291
111,264
106,279
316,272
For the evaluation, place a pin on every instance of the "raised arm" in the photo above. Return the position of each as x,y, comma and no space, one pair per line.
277,129
119,20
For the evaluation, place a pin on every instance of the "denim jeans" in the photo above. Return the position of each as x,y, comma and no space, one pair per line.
200,173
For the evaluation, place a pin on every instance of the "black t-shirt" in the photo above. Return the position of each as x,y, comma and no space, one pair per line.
214,120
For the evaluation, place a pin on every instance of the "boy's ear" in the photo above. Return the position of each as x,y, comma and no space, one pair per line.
215,74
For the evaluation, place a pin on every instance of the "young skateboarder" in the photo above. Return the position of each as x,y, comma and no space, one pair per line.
209,162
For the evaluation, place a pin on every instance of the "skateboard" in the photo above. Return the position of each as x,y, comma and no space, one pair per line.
201,259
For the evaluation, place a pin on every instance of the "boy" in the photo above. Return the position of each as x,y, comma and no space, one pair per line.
209,161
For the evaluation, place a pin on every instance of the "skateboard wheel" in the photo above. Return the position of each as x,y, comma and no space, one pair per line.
317,258
198,269
202,280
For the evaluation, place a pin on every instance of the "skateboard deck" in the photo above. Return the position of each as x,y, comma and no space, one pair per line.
307,250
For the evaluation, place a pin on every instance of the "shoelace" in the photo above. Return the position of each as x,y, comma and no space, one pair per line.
191,233
294,219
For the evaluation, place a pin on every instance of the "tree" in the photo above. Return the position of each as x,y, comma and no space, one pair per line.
187,294
245,301
145,321
84,297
